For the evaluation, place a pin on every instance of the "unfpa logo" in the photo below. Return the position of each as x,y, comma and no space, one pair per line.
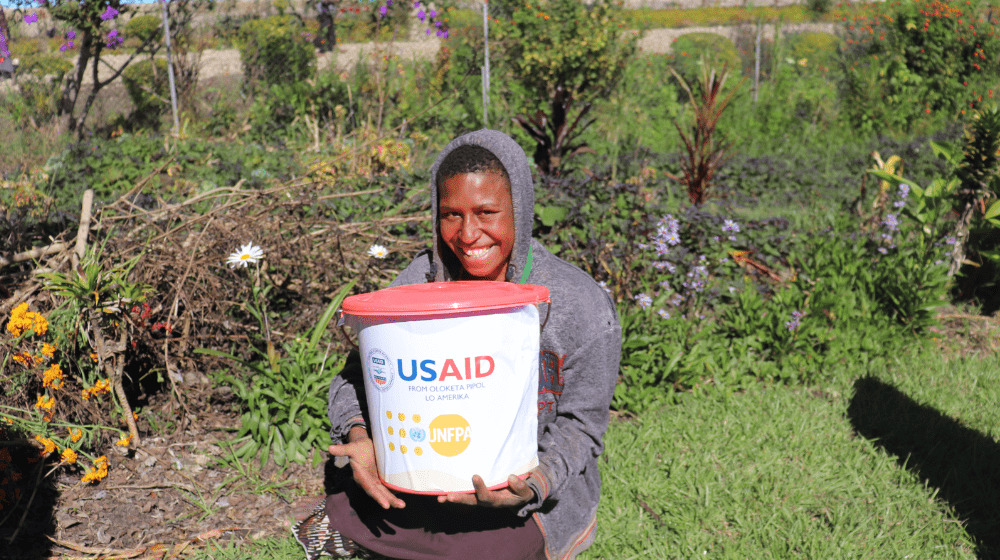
380,369
450,434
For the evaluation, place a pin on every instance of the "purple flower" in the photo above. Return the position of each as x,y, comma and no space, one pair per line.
428,32
437,24
950,240
660,265
416,5
904,190
109,13
899,204
883,250
715,238
796,319
891,222
644,301
31,18
63,48
444,34
113,39
732,238
71,35
388,2
421,15
71,45
433,13
731,226
383,10
663,313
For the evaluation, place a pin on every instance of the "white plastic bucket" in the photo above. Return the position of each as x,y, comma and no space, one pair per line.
451,377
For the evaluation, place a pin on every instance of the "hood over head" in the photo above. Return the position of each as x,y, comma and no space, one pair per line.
445,265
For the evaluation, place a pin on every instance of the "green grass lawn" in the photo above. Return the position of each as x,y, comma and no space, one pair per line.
888,462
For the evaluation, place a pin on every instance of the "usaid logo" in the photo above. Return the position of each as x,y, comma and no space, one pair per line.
380,369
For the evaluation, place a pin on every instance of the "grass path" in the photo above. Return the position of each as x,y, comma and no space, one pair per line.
779,472
903,463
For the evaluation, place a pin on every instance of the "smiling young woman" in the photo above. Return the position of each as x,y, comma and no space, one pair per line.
476,217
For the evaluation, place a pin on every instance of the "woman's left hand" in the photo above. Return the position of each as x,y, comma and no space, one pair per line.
516,494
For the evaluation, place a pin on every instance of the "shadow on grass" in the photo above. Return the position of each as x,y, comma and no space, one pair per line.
963,463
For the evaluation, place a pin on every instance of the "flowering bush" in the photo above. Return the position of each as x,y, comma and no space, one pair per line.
35,366
917,58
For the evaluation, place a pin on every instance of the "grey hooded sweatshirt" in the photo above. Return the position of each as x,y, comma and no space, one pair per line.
578,365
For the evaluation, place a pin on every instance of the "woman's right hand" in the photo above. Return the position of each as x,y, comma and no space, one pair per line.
360,449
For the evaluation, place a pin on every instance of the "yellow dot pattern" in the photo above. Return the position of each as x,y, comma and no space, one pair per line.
401,432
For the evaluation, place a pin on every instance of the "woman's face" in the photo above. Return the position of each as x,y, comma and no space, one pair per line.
476,221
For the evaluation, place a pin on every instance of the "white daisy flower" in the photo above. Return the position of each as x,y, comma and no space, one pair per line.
378,251
247,255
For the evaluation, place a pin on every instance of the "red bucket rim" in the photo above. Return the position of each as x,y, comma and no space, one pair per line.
439,298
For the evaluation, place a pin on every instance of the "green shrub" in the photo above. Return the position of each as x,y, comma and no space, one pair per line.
24,48
147,83
565,54
274,51
41,64
144,27
40,84
274,113
817,49
692,50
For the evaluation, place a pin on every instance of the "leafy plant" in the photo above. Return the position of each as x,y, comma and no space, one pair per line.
565,55
285,405
144,28
703,152
104,300
273,51
146,83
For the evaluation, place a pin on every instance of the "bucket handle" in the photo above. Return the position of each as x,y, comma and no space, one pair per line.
548,309
347,337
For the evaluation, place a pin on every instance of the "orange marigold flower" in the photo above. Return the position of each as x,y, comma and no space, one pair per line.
49,445
93,356
68,456
45,403
53,377
124,441
101,463
48,350
75,436
23,358
7,420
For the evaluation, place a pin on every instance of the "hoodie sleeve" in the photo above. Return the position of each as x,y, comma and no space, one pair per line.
575,439
346,405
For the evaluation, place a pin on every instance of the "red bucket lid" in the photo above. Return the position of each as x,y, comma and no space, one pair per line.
439,298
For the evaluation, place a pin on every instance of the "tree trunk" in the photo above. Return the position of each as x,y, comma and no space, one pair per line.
71,91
